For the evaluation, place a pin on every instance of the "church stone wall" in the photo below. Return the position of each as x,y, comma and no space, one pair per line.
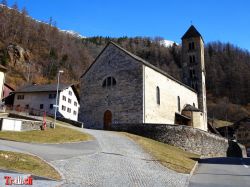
124,100
187,138
169,91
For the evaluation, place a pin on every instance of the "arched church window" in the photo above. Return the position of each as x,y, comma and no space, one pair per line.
109,82
191,46
192,59
158,95
179,103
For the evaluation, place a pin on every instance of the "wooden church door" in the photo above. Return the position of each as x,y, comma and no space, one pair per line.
107,120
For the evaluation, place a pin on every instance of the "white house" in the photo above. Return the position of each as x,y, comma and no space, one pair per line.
43,98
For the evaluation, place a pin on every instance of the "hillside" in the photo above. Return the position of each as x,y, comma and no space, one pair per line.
34,51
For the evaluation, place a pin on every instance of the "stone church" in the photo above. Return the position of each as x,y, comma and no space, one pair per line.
120,87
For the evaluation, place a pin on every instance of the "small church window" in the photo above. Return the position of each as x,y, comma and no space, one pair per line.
109,82
193,76
190,59
158,95
193,59
190,73
196,86
191,46
179,103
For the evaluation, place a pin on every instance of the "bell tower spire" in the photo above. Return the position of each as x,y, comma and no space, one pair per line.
194,67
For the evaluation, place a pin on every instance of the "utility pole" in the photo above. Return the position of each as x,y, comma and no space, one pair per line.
29,72
56,106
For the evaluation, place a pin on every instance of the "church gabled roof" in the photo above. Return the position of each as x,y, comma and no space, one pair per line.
191,33
141,61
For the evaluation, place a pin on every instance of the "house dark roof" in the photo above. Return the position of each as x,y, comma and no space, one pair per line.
141,61
42,88
191,108
191,33
47,88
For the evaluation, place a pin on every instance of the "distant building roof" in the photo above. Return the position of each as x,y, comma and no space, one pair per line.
219,123
42,88
191,108
191,33
244,120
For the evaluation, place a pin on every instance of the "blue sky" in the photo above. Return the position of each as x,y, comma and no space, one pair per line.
224,20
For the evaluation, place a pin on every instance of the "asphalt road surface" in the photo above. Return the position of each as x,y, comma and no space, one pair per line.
222,172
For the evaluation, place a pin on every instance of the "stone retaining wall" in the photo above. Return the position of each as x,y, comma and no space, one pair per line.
184,137
28,125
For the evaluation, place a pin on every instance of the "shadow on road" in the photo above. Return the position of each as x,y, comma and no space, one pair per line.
224,174
226,160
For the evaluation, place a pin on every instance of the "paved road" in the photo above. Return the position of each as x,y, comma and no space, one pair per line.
111,160
222,172
51,152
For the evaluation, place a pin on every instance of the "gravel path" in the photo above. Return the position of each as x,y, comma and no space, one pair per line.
119,162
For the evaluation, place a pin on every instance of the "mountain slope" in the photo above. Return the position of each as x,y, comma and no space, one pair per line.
34,51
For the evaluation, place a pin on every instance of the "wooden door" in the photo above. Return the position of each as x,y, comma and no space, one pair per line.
107,120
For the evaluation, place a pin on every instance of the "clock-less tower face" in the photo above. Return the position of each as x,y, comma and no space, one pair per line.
194,66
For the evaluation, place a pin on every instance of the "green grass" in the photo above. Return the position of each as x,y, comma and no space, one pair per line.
58,135
172,157
27,164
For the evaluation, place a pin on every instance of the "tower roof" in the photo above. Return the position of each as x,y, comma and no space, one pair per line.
191,33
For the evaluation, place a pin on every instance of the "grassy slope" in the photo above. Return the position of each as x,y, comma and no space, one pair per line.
27,164
57,135
169,156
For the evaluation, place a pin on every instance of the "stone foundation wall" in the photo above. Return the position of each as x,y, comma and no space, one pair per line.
28,125
184,137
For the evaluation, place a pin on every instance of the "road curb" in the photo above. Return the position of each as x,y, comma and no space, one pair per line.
194,169
5,139
192,172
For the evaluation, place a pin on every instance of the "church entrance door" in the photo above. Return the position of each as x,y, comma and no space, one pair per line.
107,120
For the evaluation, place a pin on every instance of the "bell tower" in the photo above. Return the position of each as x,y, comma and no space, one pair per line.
194,67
